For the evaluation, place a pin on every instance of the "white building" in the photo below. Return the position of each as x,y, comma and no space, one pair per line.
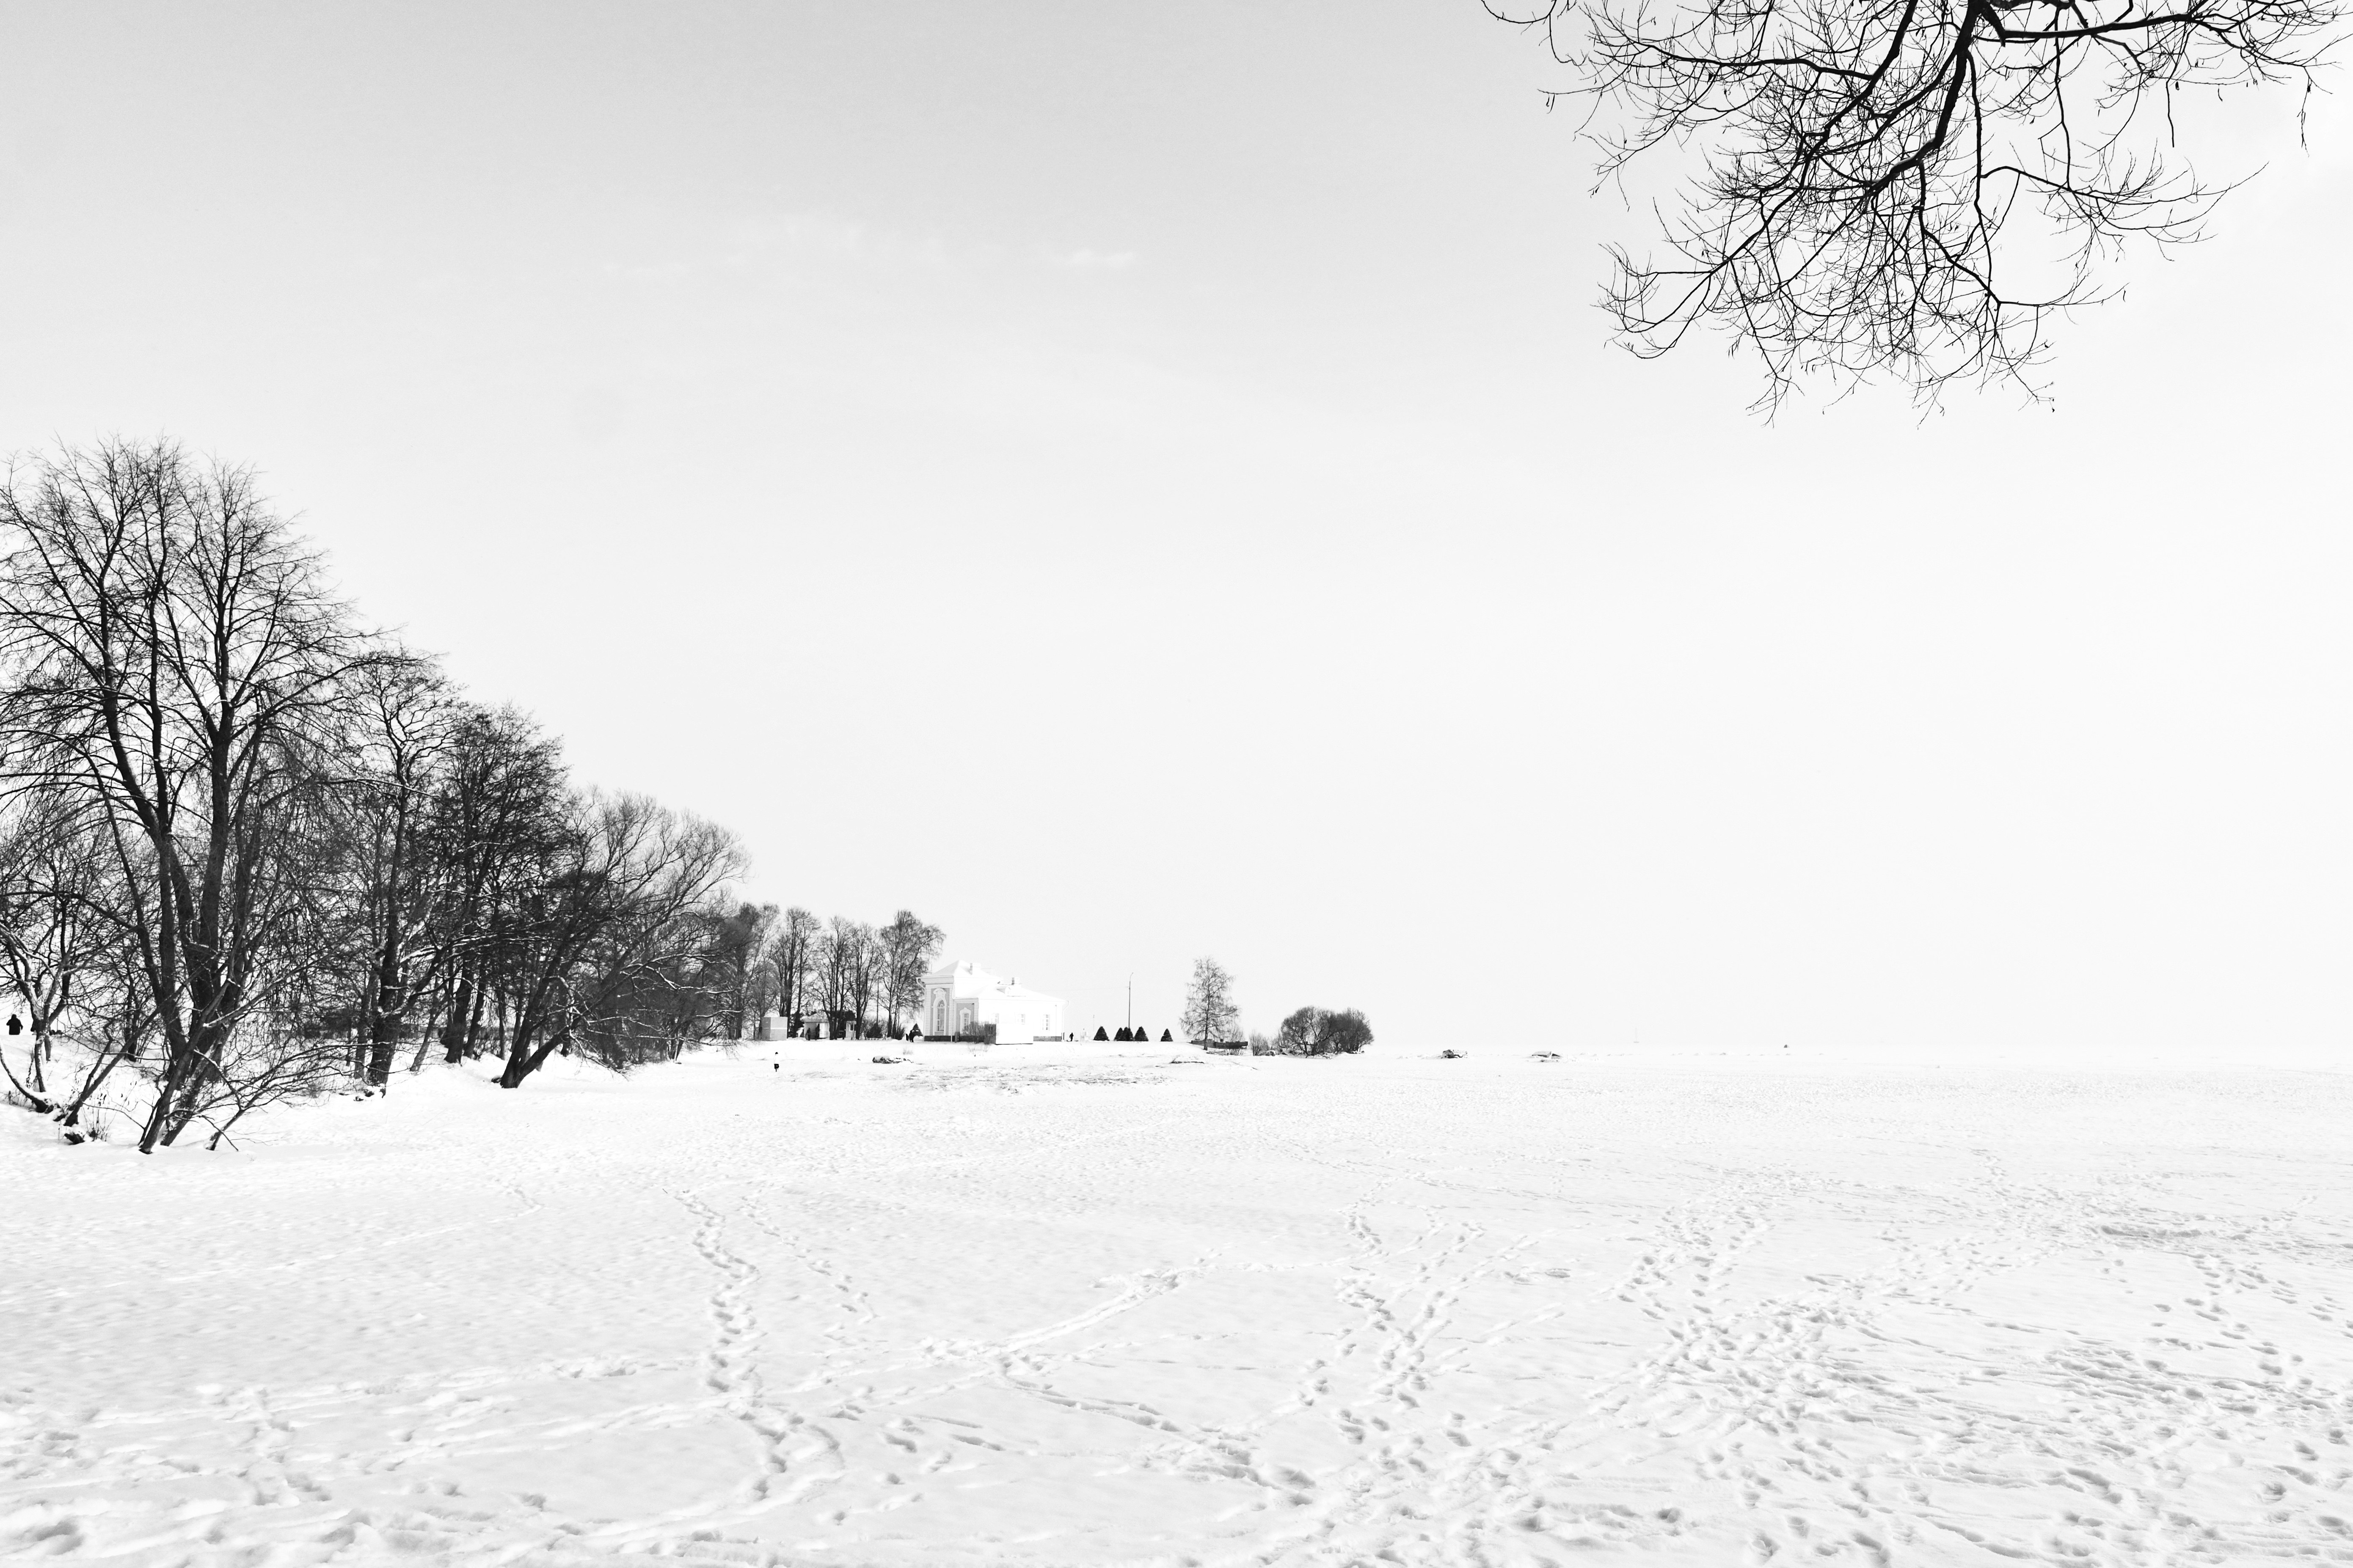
958,997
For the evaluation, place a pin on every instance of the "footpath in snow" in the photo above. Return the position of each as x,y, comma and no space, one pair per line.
1085,1305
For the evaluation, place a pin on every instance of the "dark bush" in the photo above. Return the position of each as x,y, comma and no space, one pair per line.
1312,1032
1099,1032
1166,1039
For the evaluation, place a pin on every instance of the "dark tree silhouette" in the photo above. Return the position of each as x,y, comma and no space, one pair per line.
1908,189
179,669
1312,1032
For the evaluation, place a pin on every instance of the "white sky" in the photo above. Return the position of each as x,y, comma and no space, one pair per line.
1132,483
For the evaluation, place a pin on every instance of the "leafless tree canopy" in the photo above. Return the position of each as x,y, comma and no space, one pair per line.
1210,1014
1913,189
249,851
178,676
248,848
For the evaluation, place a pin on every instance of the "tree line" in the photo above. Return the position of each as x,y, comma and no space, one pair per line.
250,848
834,978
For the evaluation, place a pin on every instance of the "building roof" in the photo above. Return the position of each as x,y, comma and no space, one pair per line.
966,978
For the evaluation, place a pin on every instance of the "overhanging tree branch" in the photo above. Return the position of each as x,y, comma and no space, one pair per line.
1910,190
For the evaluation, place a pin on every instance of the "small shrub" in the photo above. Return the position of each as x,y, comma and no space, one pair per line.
1099,1032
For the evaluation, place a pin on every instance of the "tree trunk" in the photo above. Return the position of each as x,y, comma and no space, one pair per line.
457,1033
533,1015
175,1095
71,1116
427,1034
522,1060
38,1101
387,1004
382,1049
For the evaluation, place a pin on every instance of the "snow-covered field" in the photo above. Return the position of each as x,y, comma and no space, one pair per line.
1083,1305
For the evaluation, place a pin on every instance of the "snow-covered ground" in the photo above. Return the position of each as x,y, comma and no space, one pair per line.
1083,1305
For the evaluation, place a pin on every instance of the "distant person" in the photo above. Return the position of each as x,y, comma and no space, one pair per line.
15,1025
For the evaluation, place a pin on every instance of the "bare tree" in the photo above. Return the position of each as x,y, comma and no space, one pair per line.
1210,1012
791,963
604,918
849,968
402,727
864,956
499,814
839,953
179,669
113,1019
658,995
737,944
1883,185
909,946
1312,1032
59,928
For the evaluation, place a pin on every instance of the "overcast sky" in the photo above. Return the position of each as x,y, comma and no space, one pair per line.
1136,482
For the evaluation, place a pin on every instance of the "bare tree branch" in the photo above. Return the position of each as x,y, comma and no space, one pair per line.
1910,190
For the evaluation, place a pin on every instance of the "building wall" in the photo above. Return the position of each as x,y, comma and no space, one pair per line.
1021,1018
969,999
